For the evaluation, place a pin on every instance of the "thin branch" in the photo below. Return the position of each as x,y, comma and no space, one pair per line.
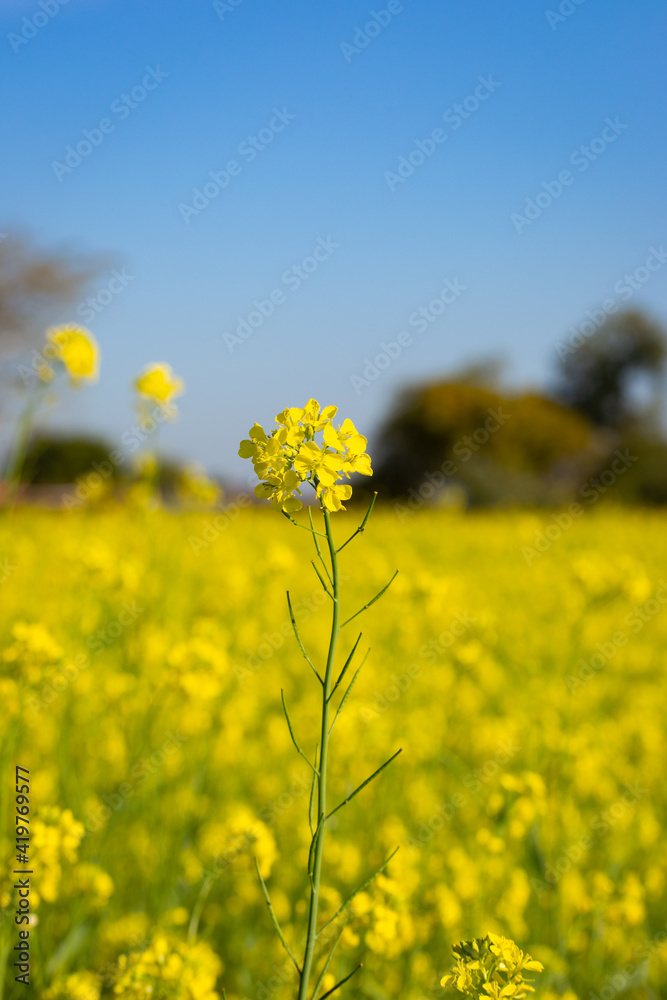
357,891
298,639
275,919
291,732
342,982
311,804
361,526
317,546
304,526
321,579
376,598
327,964
313,844
364,783
348,692
346,665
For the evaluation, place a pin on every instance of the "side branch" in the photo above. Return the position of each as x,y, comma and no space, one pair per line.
342,982
356,892
349,691
275,919
321,579
325,968
304,526
291,732
319,829
376,598
361,526
317,546
364,783
345,666
298,639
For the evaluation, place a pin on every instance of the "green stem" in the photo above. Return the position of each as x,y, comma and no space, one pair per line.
21,443
322,777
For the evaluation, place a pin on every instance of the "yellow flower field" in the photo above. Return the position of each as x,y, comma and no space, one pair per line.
142,657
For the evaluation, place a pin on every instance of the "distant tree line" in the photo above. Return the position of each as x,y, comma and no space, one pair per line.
468,439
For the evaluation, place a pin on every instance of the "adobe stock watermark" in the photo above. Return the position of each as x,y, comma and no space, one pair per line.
93,305
32,25
454,117
464,449
635,621
582,158
248,150
122,107
303,609
268,815
419,320
475,781
591,491
292,279
99,640
378,20
633,973
87,310
222,7
625,288
214,526
603,821
565,10
87,485
400,683
284,974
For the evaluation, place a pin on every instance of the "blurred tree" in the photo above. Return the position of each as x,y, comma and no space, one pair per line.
36,284
597,377
521,447
59,460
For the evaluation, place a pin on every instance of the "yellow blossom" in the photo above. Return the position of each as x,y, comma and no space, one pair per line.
158,382
76,348
292,454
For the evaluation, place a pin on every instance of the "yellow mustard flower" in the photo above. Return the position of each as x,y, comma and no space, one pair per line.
77,986
158,382
168,968
292,454
76,348
491,966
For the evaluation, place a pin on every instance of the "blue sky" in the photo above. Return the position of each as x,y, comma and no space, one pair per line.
336,111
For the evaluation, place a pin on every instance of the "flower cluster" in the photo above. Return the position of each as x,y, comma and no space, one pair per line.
491,966
168,968
295,453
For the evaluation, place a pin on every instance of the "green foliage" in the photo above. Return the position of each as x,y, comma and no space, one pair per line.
596,378
52,460
497,445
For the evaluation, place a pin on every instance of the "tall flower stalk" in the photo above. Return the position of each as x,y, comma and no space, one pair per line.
306,448
156,386
71,349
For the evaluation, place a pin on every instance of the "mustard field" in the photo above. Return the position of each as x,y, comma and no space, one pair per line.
517,661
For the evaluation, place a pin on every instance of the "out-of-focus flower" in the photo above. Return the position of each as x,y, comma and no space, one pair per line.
76,348
169,968
78,986
158,382
195,488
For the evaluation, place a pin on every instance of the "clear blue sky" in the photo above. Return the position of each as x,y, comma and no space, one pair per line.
551,86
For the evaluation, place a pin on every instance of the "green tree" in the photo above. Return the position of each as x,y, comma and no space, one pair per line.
598,377
500,446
